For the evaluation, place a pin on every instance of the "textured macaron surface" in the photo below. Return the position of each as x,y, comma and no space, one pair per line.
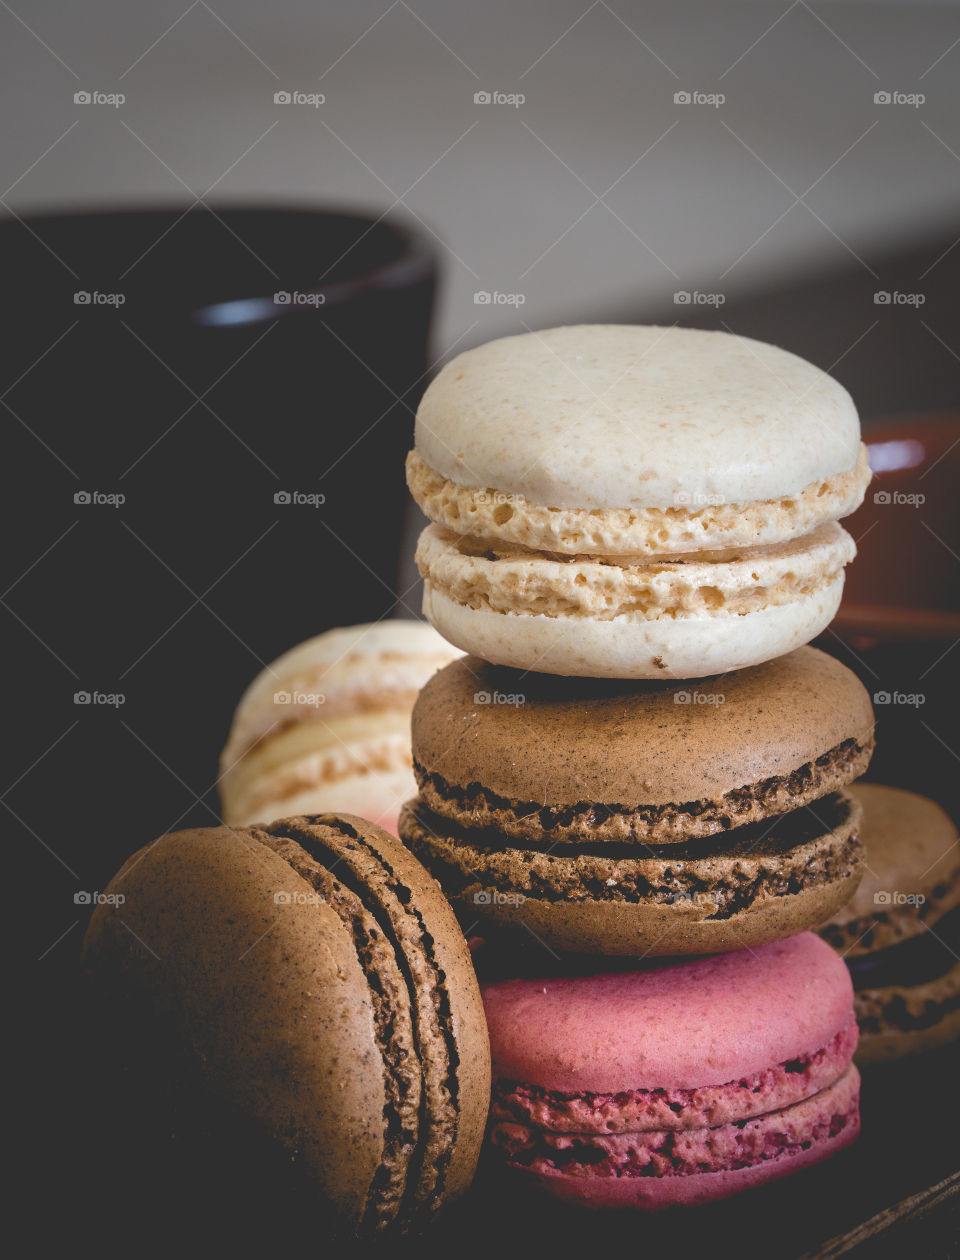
678,1082
545,759
720,875
409,912
476,574
669,1152
643,1110
689,526
672,1026
317,977
606,416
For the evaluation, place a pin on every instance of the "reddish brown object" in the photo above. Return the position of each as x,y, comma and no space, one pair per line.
904,584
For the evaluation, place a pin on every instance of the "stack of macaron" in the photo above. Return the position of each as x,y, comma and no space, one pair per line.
634,537
636,780
327,726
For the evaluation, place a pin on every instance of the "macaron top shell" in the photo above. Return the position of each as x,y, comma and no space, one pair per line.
618,416
671,1025
522,736
306,1004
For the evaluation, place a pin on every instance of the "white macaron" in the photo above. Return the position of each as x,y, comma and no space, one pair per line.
634,502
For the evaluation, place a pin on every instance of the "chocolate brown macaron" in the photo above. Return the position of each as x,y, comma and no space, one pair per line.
317,977
900,933
647,817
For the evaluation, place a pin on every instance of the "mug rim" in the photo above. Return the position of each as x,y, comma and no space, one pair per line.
414,261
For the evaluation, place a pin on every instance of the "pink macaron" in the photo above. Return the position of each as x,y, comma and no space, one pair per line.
675,1082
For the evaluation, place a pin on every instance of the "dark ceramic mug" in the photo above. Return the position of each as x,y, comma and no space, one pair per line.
207,417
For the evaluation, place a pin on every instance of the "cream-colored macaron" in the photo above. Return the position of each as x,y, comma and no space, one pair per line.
634,502
326,727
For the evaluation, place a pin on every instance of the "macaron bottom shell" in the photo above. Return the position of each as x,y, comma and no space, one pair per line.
628,647
657,1193
659,932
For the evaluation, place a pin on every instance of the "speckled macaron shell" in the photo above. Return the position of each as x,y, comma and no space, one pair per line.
277,1003
669,1025
912,852
251,955
619,409
530,754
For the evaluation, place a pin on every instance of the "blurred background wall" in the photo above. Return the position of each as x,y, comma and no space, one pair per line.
786,170
595,197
